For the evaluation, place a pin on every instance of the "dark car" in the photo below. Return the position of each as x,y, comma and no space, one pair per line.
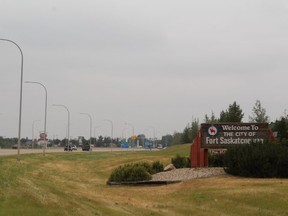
66,148
86,147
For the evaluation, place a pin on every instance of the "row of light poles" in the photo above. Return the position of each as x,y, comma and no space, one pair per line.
20,103
45,118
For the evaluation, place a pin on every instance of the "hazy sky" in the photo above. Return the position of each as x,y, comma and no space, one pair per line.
153,64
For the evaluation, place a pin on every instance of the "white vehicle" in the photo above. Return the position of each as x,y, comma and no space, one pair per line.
159,146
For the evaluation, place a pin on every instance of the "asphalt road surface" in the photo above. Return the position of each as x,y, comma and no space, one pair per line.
5,152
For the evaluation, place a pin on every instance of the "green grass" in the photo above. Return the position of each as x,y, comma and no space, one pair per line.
75,184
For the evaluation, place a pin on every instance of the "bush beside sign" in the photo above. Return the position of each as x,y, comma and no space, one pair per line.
223,135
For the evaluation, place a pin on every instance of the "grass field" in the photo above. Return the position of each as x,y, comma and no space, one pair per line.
75,184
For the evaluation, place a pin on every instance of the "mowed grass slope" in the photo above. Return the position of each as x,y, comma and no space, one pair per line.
75,184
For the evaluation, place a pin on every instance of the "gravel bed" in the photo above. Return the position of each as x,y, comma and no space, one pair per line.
185,174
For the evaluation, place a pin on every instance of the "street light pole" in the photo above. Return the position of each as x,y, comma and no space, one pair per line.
33,132
154,138
21,86
111,131
45,118
67,130
90,125
68,138
95,134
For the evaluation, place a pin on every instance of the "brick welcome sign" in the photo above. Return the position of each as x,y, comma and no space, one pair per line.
223,135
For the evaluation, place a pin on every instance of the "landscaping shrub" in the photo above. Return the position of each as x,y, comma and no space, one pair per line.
216,160
146,165
257,160
157,166
141,171
180,162
130,172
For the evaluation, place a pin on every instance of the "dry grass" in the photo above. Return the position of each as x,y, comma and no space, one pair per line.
75,184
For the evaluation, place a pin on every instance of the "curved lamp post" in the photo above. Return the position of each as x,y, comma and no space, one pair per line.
111,131
45,118
68,129
21,86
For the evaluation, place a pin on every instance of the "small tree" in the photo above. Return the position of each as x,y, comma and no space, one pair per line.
190,131
232,114
281,127
167,140
194,129
176,138
212,119
185,138
259,113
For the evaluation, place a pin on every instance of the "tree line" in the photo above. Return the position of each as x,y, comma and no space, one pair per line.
233,113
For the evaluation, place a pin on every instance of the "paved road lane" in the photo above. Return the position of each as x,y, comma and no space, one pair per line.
4,152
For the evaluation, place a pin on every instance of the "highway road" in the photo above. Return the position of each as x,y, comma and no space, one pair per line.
6,152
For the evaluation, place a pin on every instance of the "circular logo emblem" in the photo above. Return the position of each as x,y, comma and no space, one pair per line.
212,131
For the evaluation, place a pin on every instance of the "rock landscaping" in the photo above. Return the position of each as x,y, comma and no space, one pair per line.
185,174
176,176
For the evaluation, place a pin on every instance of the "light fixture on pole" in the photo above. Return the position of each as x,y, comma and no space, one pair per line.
45,113
68,129
20,106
